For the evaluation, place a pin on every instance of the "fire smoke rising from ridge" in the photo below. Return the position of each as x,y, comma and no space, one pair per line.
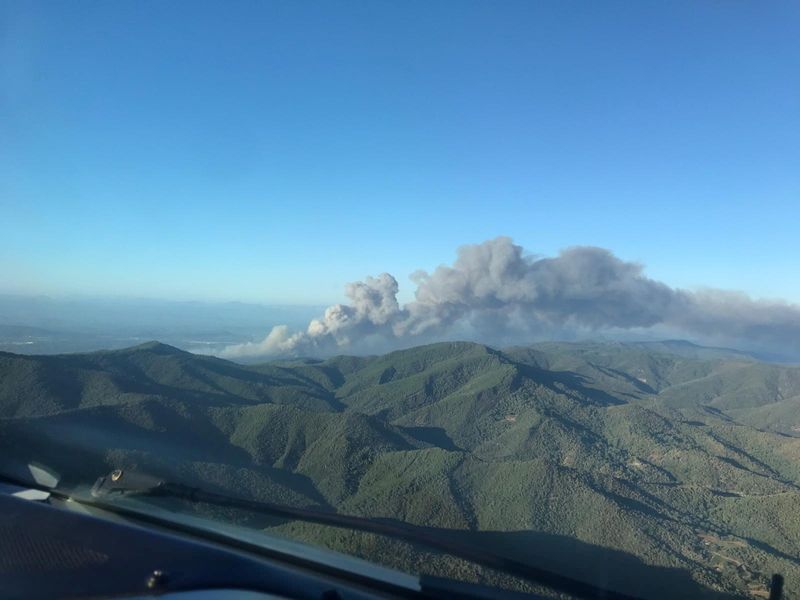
498,293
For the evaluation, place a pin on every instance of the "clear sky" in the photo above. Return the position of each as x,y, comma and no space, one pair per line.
272,151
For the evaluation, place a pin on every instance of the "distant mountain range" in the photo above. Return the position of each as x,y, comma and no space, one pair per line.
658,469
44,325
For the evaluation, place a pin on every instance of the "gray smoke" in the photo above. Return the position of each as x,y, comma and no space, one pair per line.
497,292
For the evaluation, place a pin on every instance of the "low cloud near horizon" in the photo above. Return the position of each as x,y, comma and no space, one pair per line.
497,293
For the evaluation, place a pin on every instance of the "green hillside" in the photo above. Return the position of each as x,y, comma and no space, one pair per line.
637,466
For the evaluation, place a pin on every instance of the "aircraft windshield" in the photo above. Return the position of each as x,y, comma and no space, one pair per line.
519,279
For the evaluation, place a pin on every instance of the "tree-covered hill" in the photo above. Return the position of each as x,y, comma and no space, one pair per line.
652,459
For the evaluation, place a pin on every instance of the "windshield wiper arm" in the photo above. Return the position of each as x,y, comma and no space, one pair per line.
122,483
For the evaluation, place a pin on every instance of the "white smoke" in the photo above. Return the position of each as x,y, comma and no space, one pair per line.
498,292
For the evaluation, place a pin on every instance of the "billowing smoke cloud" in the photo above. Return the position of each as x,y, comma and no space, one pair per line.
497,292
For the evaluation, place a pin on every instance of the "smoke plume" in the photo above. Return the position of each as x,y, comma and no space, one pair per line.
494,291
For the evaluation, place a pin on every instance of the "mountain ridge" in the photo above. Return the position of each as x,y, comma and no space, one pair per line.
634,449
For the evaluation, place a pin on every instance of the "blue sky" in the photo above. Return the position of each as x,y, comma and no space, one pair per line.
272,151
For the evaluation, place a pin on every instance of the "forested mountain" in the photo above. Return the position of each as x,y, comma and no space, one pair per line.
660,470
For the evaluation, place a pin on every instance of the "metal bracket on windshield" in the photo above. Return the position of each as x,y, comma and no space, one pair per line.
126,482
